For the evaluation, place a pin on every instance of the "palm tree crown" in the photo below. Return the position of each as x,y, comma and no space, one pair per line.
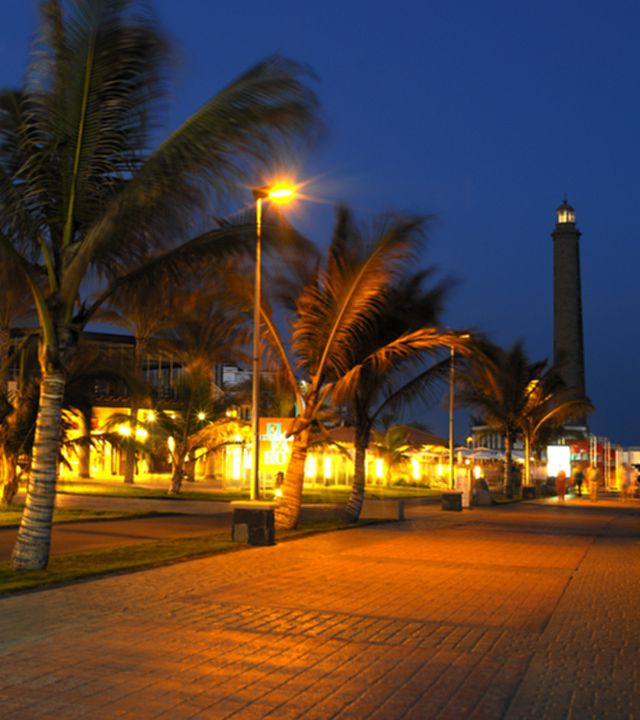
81,193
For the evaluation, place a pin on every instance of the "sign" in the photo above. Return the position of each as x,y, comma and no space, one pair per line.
275,446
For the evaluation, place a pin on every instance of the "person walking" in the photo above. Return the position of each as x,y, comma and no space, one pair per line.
561,485
624,481
593,481
578,479
633,481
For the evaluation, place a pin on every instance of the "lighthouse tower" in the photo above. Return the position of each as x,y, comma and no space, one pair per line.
568,345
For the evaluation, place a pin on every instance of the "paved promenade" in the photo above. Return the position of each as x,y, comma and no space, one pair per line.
527,611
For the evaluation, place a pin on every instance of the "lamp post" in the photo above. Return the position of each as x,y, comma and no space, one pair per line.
278,193
452,381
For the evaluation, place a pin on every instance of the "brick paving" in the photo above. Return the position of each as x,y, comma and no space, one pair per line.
528,611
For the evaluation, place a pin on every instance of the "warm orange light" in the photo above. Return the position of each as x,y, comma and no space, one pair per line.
281,192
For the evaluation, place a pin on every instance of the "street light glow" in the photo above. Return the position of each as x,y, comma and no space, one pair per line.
281,192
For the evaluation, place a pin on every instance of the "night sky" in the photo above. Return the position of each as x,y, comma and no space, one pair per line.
482,114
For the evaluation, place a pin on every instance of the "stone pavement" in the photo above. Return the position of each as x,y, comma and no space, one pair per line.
527,611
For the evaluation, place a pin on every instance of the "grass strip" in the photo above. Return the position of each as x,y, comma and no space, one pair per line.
310,495
10,517
144,493
68,568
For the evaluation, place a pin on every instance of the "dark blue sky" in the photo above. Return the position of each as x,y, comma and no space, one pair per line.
484,114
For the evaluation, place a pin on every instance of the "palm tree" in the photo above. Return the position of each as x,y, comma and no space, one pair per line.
549,403
144,316
179,429
396,363
80,193
17,423
391,446
517,397
339,302
18,414
495,383
206,327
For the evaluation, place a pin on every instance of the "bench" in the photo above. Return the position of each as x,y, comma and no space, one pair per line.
253,523
382,509
452,500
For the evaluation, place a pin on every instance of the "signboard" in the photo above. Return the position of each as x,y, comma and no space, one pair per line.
558,458
275,446
463,485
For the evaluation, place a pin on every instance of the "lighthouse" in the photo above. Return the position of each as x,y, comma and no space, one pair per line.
568,344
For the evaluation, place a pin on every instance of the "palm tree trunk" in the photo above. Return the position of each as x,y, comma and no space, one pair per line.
508,449
178,474
5,344
356,499
31,551
84,451
9,478
288,505
527,460
131,451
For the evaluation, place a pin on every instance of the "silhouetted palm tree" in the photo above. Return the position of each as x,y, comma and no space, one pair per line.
549,404
495,384
341,299
80,193
144,315
517,397
395,363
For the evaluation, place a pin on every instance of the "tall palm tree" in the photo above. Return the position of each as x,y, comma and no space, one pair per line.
495,383
81,193
341,298
516,396
549,404
144,316
195,403
395,363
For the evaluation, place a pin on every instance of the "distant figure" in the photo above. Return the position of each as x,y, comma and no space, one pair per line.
593,481
561,484
278,483
578,479
624,481
633,481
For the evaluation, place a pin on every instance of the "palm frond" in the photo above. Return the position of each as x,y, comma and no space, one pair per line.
215,151
342,305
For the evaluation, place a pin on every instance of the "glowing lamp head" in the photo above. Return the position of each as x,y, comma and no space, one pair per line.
565,214
279,193
201,416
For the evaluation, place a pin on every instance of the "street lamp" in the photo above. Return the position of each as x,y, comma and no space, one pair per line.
452,380
279,193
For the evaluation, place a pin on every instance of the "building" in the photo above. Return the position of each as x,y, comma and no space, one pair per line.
568,343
